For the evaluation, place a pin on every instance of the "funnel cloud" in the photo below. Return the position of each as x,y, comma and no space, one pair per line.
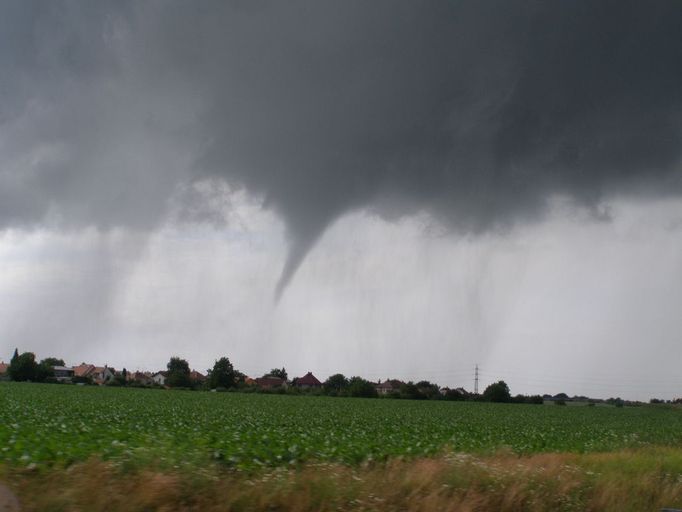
478,113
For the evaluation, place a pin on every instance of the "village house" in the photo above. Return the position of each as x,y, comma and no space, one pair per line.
144,378
98,374
388,386
82,370
63,373
102,375
270,382
3,368
307,381
160,378
196,376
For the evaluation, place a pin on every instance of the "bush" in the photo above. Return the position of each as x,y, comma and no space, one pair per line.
497,392
456,395
359,387
335,385
410,391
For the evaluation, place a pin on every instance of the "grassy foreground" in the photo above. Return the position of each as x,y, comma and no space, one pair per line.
56,426
646,479
68,448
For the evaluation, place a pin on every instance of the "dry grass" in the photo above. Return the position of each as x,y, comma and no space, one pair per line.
631,480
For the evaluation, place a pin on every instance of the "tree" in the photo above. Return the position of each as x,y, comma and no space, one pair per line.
13,363
456,395
52,362
239,377
359,387
410,391
178,373
335,385
428,389
23,367
120,379
618,402
222,375
528,399
497,392
45,370
279,373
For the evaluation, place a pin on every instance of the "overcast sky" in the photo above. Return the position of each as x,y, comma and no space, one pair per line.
389,189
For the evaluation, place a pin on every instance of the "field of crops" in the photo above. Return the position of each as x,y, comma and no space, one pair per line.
51,425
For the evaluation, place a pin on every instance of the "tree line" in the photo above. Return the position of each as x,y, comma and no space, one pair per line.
24,367
223,376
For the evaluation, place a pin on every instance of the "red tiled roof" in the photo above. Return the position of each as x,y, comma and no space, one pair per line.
308,380
3,368
269,382
195,375
83,370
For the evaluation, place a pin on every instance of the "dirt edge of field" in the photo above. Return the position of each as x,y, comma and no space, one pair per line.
646,479
8,501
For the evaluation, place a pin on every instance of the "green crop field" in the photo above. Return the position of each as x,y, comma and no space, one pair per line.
52,425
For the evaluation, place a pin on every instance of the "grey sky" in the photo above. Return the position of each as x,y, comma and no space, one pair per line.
122,122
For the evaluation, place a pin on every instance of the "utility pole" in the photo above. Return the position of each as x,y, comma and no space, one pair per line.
476,381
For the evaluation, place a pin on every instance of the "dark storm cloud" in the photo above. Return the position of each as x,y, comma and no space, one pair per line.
475,111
